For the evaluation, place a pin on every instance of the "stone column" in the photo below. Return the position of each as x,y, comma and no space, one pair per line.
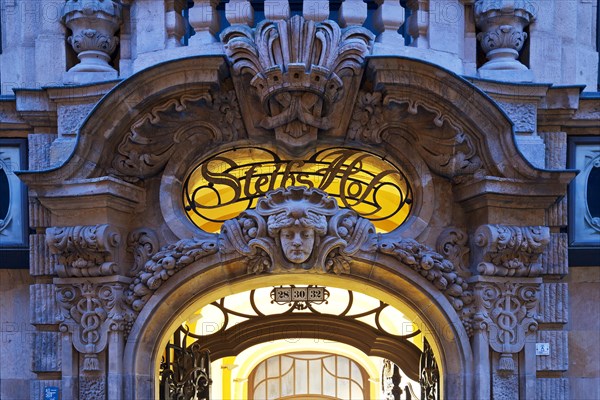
352,12
205,21
93,24
387,20
501,24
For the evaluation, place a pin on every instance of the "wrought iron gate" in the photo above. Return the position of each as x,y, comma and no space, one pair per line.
184,370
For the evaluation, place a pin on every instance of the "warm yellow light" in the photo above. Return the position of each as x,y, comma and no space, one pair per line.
228,183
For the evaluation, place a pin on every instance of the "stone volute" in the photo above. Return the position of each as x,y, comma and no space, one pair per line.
502,24
93,23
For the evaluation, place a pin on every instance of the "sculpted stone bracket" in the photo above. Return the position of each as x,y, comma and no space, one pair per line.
304,73
85,250
502,250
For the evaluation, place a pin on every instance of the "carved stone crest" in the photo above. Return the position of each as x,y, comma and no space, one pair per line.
89,310
508,310
298,228
303,73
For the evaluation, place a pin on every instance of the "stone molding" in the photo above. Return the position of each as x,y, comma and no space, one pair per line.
339,234
501,250
507,311
300,92
85,251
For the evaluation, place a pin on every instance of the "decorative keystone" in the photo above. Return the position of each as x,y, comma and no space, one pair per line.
93,23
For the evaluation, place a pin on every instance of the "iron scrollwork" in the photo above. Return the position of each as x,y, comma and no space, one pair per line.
358,180
185,370
430,374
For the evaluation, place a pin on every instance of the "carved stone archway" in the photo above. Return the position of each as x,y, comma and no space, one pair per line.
473,190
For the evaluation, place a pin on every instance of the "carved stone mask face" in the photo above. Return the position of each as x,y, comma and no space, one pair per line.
297,243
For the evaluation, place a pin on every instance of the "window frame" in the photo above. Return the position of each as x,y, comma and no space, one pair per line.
16,255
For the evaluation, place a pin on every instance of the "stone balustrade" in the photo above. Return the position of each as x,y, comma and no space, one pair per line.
407,28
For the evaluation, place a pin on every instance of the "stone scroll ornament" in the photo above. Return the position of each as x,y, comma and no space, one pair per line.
301,71
297,229
84,251
503,250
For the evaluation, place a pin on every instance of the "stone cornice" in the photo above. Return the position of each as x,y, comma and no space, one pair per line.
540,193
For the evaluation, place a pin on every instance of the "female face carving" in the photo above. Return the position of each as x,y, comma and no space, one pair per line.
297,243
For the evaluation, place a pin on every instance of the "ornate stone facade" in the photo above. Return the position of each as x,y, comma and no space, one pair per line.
480,263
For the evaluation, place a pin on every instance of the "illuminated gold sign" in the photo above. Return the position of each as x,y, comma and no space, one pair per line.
226,184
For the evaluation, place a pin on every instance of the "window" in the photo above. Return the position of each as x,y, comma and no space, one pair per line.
584,201
227,183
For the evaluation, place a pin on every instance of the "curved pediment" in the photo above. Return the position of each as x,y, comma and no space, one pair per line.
137,127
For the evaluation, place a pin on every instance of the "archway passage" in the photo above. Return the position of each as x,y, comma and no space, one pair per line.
279,316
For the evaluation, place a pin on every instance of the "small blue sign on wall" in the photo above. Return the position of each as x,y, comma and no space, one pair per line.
50,393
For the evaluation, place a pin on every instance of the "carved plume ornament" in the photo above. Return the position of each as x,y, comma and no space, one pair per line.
84,251
302,73
510,250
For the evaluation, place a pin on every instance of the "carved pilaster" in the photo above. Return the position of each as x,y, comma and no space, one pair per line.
502,250
85,250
